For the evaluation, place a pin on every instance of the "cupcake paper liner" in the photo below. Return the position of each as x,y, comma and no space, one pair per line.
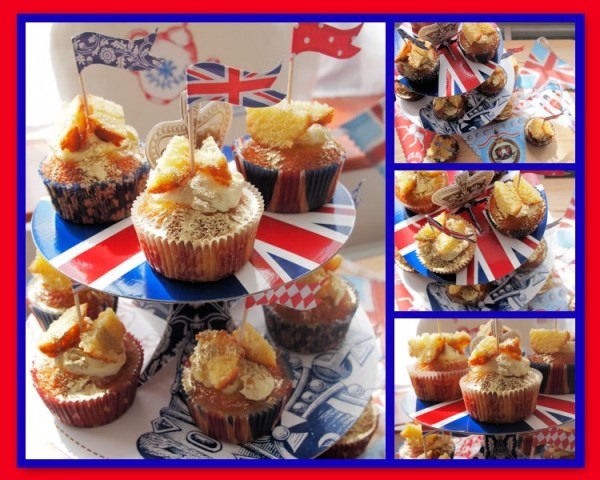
436,386
556,379
289,192
308,337
99,202
102,409
502,406
429,258
199,260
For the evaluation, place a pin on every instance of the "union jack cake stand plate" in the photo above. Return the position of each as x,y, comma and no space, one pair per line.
331,389
110,259
500,440
480,110
496,255
457,74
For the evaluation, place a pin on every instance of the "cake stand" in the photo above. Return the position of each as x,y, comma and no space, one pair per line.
496,255
330,389
500,440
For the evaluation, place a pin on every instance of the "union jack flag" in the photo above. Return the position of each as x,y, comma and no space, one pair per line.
457,73
208,81
543,67
110,258
325,39
295,295
496,255
551,410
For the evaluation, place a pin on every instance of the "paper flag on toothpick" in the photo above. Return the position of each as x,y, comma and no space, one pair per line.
94,48
208,81
543,67
322,38
502,142
300,296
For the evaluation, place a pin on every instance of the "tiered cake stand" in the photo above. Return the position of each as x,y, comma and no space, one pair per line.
500,440
497,259
460,76
331,389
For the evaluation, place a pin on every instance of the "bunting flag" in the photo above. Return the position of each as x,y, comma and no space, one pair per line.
543,67
95,48
208,81
367,131
559,437
300,296
322,38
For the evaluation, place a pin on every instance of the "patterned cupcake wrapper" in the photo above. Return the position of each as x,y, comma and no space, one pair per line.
436,386
100,202
236,428
290,192
199,260
46,316
308,338
100,410
426,81
501,407
557,379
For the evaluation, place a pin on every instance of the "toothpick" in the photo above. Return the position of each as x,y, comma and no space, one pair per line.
497,330
290,79
78,307
518,180
556,324
439,326
192,137
86,107
243,324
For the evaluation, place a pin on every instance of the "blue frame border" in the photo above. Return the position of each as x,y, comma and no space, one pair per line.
389,19
578,168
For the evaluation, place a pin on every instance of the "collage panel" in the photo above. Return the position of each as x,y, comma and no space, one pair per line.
477,389
484,92
484,241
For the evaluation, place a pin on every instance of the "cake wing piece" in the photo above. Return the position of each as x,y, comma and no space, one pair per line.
466,187
213,120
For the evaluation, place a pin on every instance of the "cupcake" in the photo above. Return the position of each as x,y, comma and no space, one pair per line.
443,148
420,65
414,189
501,387
479,41
96,167
440,365
50,293
536,258
402,263
449,108
321,328
291,155
88,372
506,112
539,132
442,253
469,295
196,227
403,92
356,440
494,84
430,446
236,385
554,357
516,208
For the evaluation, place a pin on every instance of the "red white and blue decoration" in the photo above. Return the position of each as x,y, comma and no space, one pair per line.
551,411
496,255
110,258
325,39
207,81
543,68
300,296
94,48
367,131
499,143
457,74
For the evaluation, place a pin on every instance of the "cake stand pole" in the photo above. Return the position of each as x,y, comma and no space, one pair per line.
184,321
